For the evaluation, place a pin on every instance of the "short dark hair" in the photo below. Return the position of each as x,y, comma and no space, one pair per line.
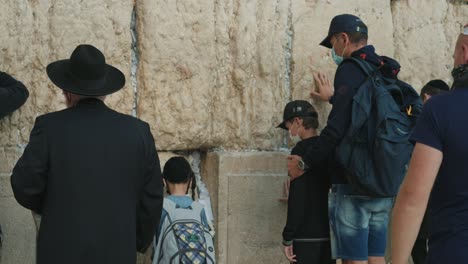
178,170
357,37
310,121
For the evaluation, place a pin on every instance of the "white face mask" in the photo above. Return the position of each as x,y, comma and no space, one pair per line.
294,139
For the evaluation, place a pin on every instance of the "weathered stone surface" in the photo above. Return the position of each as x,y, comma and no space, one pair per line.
19,245
425,34
251,88
8,157
231,92
245,187
310,23
212,74
39,32
176,71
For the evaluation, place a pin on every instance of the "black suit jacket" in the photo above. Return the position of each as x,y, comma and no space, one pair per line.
94,176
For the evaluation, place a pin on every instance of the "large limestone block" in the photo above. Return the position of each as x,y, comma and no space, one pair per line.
310,23
211,74
425,36
252,74
39,32
245,187
176,71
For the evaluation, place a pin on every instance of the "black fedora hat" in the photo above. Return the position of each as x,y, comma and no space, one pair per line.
86,73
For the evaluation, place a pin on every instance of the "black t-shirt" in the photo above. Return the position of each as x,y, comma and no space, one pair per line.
308,200
443,125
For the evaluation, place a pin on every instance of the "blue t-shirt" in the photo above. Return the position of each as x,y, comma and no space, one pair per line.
443,125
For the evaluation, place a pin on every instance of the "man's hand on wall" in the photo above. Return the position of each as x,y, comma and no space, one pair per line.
324,87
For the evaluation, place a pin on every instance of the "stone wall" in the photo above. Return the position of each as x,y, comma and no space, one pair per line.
208,75
425,34
250,217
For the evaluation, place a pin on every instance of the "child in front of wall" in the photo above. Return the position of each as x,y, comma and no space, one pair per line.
184,235
306,236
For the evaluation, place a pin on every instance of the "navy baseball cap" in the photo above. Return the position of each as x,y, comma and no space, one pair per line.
297,108
344,23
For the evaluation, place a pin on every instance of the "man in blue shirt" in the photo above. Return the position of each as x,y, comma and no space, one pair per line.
419,252
438,170
358,223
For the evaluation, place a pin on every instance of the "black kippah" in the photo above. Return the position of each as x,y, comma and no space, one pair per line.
177,170
439,84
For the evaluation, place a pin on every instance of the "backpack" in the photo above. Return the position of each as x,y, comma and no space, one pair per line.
376,149
184,238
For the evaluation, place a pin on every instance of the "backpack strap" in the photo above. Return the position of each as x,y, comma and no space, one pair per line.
169,206
197,207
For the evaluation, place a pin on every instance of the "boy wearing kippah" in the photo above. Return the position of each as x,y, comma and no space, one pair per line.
432,88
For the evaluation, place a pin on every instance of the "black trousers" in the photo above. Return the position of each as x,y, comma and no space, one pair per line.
313,252
419,252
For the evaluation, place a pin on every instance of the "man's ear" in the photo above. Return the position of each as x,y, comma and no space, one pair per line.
465,52
345,38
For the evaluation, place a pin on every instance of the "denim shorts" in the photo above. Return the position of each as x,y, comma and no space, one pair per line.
358,224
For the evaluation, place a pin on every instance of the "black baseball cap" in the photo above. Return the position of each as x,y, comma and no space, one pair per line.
297,108
344,23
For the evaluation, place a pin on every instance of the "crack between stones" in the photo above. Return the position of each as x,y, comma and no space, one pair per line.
288,61
135,60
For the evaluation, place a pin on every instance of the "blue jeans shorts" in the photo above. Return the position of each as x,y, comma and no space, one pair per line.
358,224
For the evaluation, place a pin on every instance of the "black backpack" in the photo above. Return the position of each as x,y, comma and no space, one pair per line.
376,150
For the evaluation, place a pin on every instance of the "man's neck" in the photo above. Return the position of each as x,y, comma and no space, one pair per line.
178,189
308,133
353,48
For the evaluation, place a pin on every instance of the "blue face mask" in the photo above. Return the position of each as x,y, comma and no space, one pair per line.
336,58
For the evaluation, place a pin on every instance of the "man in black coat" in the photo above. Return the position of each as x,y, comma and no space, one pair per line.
91,172
13,94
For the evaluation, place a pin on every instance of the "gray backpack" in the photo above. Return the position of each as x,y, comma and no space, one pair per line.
183,238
